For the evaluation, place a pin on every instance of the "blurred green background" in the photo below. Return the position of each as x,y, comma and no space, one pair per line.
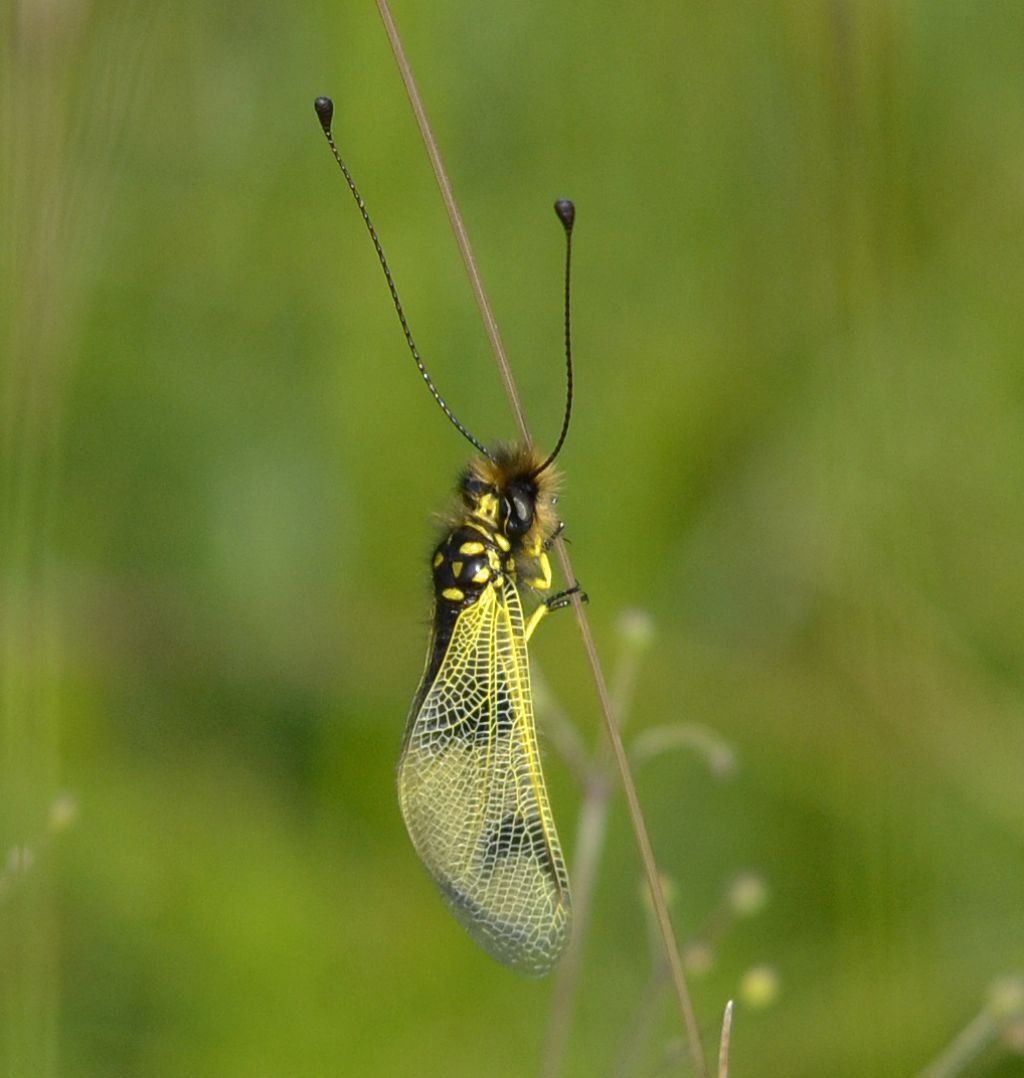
798,447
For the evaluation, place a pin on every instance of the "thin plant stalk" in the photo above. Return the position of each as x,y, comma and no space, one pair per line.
1002,1013
590,835
591,829
723,1044
455,218
618,751
968,1044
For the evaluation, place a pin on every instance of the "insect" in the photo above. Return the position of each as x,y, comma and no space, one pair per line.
470,783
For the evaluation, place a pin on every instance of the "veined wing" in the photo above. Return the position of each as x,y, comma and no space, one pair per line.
473,795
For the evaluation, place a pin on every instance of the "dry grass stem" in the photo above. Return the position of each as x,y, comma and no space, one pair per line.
723,1044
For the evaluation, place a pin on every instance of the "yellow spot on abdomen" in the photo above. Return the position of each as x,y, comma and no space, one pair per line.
456,568
455,595
471,548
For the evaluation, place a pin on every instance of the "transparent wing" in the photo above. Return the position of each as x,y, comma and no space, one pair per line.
473,795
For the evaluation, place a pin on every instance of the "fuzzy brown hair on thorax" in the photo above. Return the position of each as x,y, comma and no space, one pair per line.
511,472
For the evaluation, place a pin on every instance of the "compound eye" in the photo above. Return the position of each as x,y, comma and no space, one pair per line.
518,512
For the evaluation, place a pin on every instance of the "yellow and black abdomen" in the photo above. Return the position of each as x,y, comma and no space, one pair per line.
465,563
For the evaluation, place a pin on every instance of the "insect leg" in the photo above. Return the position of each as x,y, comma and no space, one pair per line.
542,580
564,598
550,541
554,602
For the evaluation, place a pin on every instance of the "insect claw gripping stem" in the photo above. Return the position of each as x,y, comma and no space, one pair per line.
563,599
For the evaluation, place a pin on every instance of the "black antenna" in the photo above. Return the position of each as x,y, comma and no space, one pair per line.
325,111
567,215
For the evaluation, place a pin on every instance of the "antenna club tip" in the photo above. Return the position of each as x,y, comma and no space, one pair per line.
566,211
325,112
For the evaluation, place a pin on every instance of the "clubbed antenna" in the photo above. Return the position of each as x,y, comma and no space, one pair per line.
325,112
567,215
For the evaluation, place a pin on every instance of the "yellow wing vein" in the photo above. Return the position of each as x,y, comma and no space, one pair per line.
472,790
